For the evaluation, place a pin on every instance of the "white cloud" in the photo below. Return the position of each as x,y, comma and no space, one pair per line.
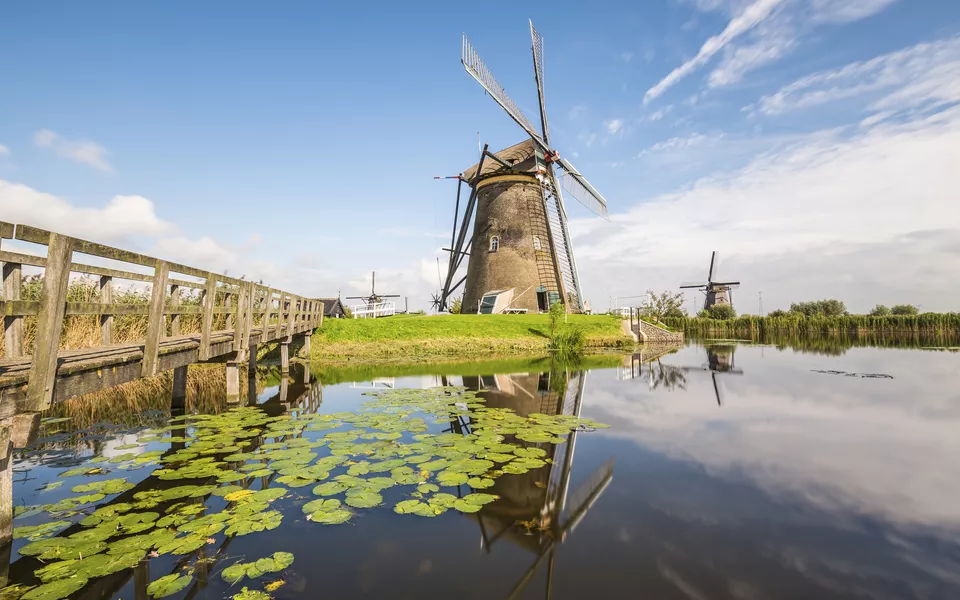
613,126
749,18
761,33
769,41
576,111
841,11
203,253
4,151
809,220
79,151
122,217
625,57
678,143
924,74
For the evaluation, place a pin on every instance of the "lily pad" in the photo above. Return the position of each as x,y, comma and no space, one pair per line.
169,585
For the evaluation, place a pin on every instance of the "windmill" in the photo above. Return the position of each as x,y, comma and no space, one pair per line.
536,510
520,244
374,298
716,292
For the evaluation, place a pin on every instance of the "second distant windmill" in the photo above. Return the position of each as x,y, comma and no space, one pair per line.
715,292
375,304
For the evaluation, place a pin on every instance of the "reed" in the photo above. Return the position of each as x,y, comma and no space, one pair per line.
753,326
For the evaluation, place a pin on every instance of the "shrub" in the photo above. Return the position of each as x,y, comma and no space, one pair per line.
778,314
456,305
722,311
829,307
904,309
879,311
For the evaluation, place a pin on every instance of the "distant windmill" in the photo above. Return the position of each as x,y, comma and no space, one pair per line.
374,298
719,360
716,292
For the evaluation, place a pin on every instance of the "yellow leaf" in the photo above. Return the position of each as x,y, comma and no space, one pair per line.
274,585
238,495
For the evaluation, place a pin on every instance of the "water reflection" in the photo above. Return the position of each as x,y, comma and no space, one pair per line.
740,474
535,510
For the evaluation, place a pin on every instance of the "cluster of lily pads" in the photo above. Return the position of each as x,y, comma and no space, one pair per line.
384,445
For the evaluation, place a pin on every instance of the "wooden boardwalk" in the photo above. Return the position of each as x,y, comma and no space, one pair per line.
31,379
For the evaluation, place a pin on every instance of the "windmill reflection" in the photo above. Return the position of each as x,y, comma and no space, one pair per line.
536,511
720,360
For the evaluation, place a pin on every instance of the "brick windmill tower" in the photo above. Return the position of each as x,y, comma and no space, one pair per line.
520,253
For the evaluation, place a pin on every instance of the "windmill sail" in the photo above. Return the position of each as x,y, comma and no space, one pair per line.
563,249
577,186
538,71
479,71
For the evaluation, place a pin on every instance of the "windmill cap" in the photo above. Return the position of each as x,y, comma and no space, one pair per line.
523,154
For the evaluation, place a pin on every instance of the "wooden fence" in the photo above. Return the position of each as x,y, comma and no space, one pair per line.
33,378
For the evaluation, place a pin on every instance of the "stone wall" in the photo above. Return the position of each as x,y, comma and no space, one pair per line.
650,334
504,209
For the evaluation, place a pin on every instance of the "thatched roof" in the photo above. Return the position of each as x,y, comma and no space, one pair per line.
332,307
524,152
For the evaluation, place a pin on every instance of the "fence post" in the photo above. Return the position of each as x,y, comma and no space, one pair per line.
206,327
280,309
12,326
53,304
106,321
267,306
156,323
175,305
227,299
178,396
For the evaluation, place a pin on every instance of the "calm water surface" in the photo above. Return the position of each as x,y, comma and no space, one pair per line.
730,472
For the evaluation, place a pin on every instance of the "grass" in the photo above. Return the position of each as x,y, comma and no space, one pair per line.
460,335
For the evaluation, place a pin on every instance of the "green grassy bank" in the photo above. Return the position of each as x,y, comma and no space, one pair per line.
421,336
751,326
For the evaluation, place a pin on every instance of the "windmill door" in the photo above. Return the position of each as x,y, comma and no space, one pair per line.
542,299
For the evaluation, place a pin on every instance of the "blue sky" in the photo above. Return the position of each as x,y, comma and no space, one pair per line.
808,141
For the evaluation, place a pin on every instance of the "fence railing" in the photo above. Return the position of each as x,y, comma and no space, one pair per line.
380,309
249,307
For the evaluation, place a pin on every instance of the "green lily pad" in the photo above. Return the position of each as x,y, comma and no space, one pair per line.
246,594
61,588
169,585
363,498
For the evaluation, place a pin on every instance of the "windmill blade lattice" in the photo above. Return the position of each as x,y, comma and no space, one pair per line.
577,186
557,223
479,71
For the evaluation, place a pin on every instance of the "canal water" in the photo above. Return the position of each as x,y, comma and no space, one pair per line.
729,470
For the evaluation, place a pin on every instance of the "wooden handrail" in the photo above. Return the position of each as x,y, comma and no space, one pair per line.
293,314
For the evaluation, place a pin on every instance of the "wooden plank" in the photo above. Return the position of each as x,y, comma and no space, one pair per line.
267,308
6,230
56,278
248,321
239,343
156,326
209,303
40,261
291,319
227,302
280,312
174,315
106,320
12,324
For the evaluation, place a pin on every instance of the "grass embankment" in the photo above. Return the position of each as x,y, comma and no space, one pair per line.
421,336
750,326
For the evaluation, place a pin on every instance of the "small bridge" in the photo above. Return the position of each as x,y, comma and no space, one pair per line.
235,317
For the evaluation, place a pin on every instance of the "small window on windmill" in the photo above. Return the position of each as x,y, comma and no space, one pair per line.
494,243
536,243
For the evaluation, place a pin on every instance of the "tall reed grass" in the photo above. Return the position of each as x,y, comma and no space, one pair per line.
752,326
